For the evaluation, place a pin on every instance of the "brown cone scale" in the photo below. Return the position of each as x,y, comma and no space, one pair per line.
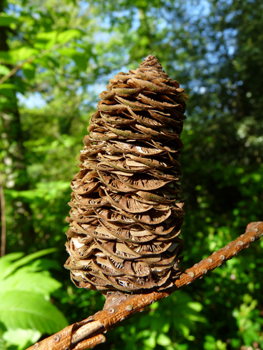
126,208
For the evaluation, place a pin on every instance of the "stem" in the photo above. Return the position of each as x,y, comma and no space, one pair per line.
87,333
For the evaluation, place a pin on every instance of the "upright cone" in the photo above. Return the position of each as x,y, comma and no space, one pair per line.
126,209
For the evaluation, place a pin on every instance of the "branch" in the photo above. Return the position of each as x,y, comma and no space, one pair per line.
15,69
87,333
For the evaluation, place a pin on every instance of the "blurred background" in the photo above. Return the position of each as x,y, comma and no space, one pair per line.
64,53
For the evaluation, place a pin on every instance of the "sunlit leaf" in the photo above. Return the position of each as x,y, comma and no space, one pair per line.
163,340
29,310
20,337
67,35
22,54
25,280
22,261
4,70
8,87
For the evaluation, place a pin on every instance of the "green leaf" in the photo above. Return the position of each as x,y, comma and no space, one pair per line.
22,338
7,260
22,54
7,90
151,341
29,70
163,340
67,51
47,36
5,57
45,40
6,20
80,58
2,329
66,36
186,332
195,306
44,264
3,345
4,70
23,261
8,87
29,310
25,280
48,62
81,61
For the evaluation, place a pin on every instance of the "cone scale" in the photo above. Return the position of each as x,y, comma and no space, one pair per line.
126,207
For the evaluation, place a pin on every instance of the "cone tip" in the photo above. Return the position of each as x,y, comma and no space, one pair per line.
151,61
150,58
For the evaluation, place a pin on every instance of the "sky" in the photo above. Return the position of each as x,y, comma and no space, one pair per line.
35,99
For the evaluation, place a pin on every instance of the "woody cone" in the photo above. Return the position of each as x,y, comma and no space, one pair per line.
126,207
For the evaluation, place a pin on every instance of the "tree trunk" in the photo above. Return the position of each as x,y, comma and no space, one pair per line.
13,154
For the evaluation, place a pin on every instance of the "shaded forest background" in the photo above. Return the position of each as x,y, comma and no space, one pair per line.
69,50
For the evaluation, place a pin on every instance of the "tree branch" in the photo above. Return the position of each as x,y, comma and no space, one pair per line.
15,69
87,333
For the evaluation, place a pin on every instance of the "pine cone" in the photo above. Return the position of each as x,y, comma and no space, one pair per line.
126,209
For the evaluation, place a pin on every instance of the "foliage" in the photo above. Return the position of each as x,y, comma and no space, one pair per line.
25,308
161,326
214,49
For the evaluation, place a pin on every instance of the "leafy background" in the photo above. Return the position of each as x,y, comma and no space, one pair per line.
69,49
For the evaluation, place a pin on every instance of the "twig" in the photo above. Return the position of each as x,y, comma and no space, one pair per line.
3,222
15,69
29,60
87,333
